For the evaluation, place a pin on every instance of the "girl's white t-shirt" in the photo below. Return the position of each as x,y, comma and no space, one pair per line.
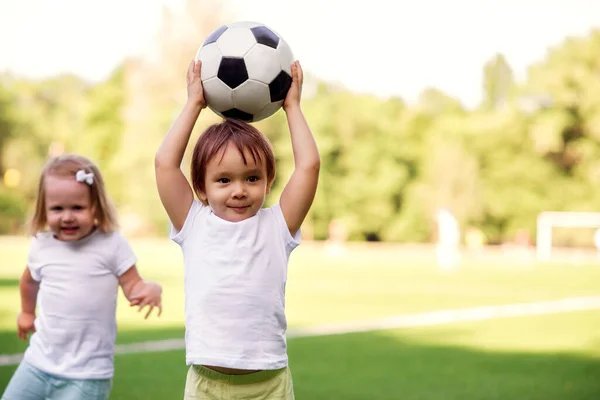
76,322
235,278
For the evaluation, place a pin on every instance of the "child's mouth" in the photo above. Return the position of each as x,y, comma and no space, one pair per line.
69,230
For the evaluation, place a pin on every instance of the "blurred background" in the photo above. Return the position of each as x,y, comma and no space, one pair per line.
460,146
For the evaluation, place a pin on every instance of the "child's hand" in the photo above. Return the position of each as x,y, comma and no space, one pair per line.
147,294
25,325
292,99
194,84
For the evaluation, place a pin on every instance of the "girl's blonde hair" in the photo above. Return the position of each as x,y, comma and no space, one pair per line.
67,165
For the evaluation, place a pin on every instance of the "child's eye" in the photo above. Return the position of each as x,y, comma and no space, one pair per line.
56,208
253,179
77,208
223,180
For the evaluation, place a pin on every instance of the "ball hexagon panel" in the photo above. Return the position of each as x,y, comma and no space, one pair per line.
214,36
279,87
251,96
269,109
219,96
244,24
232,71
235,42
262,63
211,59
286,58
265,36
237,114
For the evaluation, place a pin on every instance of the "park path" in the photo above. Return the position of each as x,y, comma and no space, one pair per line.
394,322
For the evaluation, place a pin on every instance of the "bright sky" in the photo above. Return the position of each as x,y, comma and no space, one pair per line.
384,47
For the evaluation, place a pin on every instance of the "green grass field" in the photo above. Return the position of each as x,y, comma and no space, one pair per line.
547,357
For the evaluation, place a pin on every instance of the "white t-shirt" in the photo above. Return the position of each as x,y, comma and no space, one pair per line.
76,322
235,276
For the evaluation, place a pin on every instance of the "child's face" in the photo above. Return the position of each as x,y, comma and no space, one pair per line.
68,208
235,191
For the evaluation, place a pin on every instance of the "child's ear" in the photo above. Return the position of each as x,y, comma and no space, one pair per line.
269,188
203,198
95,214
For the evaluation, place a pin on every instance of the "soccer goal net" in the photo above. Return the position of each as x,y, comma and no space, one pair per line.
549,220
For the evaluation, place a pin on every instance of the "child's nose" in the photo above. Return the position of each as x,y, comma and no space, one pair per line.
239,190
67,215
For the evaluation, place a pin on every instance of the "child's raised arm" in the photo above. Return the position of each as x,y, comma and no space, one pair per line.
173,188
298,194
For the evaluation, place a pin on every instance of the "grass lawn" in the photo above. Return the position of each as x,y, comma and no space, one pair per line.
553,357
542,357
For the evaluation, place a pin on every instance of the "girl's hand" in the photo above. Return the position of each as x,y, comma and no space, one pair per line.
194,84
149,294
25,325
292,99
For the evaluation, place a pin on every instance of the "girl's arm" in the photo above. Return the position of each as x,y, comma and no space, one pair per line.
29,288
139,292
173,188
298,194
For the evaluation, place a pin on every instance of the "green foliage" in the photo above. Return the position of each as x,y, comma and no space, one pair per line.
102,136
498,82
7,118
386,166
12,209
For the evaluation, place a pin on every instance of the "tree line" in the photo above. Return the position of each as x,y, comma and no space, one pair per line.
387,166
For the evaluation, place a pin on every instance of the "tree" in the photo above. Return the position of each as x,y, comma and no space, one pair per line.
7,119
102,139
48,115
566,129
154,92
498,82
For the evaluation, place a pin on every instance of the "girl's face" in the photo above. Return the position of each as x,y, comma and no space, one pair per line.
235,191
68,208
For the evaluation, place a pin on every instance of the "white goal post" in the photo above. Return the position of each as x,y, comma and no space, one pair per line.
563,219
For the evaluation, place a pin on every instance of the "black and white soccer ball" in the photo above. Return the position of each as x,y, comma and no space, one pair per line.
245,71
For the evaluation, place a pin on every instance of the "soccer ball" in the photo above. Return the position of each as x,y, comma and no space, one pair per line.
245,71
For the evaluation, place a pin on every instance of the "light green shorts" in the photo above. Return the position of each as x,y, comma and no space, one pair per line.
204,383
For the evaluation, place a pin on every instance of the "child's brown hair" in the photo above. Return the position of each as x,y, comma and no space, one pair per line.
214,140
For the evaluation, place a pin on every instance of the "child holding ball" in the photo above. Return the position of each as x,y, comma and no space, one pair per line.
235,251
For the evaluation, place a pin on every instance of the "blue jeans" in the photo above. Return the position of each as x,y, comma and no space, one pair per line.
29,383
